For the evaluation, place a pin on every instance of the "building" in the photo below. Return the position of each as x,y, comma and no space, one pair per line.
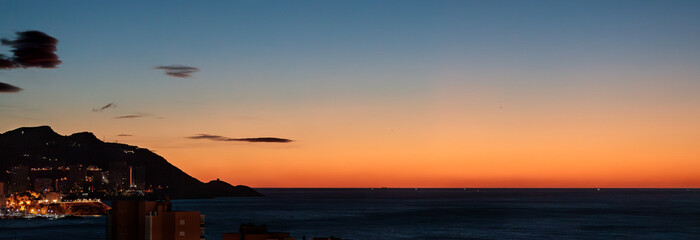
19,180
62,185
2,189
119,175
42,185
76,178
253,232
138,177
98,181
3,201
53,197
152,220
174,225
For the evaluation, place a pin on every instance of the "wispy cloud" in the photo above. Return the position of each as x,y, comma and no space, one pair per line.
227,139
264,139
7,88
178,70
124,135
110,105
30,49
128,116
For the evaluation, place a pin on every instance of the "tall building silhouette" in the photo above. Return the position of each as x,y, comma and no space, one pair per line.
152,220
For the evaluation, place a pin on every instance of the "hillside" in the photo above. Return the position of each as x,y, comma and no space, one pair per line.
41,147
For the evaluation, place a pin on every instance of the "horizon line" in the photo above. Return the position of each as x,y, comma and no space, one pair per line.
698,188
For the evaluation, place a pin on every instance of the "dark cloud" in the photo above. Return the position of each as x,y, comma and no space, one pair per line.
124,135
178,70
128,116
5,63
30,49
264,139
226,139
110,105
7,88
210,137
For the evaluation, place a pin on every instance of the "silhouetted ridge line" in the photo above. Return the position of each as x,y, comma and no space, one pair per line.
41,147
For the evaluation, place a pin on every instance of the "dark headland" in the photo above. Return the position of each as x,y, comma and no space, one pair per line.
43,154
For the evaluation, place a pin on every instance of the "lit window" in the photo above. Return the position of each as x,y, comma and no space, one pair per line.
182,221
182,233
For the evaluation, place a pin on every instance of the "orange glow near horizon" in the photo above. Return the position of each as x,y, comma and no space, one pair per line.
582,148
581,136
458,94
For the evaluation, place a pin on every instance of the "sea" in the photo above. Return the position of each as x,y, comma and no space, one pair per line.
409,213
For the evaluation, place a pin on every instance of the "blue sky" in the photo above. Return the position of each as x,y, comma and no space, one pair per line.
413,68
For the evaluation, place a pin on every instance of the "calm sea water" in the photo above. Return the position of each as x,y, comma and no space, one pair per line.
428,214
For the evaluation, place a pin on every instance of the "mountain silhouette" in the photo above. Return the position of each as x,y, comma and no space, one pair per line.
40,147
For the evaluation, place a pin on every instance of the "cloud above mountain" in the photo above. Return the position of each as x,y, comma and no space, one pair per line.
5,63
110,105
128,116
31,49
253,140
7,88
179,71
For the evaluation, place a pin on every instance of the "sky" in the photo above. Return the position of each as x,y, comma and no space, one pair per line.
375,93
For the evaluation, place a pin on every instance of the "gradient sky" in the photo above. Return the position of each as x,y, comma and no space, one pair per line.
378,93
